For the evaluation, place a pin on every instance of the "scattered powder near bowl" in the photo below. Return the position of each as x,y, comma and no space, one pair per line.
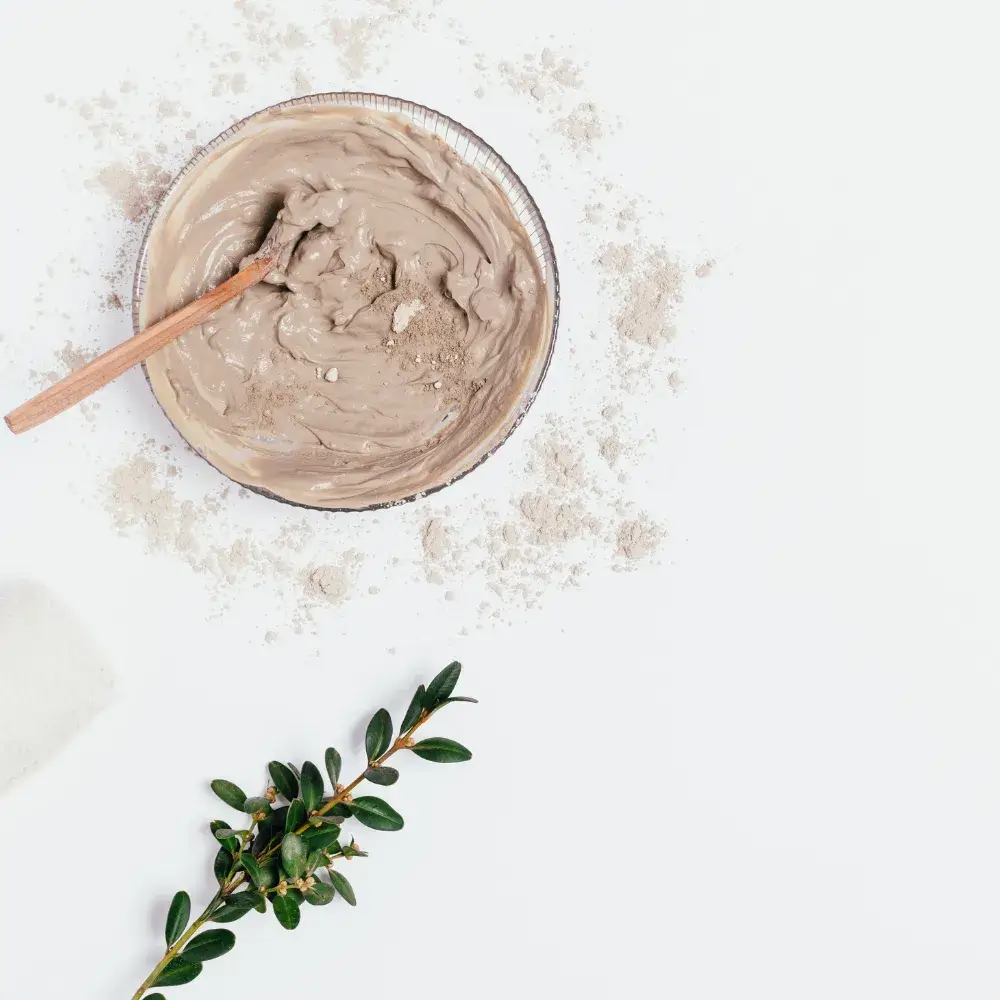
572,506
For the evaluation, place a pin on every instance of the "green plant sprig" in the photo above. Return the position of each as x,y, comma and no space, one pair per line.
293,836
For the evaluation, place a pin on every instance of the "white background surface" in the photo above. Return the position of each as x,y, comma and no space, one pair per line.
765,768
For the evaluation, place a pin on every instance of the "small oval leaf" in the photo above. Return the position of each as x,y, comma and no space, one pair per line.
375,813
312,786
231,844
245,900
343,887
250,866
177,972
177,916
442,751
283,779
257,804
379,735
293,855
286,909
295,816
413,712
333,763
382,775
209,945
442,685
227,914
222,864
320,894
231,794
224,834
319,839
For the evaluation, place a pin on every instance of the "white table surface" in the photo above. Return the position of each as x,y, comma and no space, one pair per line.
767,766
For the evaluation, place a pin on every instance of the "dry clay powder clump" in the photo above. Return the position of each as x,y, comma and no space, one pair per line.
141,497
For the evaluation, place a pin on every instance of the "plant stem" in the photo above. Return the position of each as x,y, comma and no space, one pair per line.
237,877
400,744
174,950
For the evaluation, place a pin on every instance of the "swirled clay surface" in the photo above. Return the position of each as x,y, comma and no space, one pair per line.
392,345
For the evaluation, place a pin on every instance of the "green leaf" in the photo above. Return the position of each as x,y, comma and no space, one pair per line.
322,838
293,855
378,738
382,775
231,844
231,794
154,996
224,834
343,887
177,916
315,860
268,876
286,909
442,685
250,866
320,894
375,813
413,712
270,829
338,809
257,804
471,701
245,900
221,865
261,906
333,762
177,972
236,906
296,816
283,779
227,914
312,786
441,751
209,945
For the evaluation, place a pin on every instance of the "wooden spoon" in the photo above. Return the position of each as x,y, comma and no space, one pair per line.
99,372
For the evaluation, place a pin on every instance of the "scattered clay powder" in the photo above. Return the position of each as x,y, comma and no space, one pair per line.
69,358
705,268
638,538
439,549
568,512
134,190
140,498
332,584
650,284
582,128
544,78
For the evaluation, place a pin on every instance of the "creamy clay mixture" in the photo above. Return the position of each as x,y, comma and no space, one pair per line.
394,343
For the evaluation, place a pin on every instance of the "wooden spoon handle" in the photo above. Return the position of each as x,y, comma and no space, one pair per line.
99,372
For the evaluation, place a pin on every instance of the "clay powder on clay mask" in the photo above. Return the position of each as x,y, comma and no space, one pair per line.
52,680
392,346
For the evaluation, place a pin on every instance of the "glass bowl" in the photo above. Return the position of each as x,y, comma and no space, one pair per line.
475,151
